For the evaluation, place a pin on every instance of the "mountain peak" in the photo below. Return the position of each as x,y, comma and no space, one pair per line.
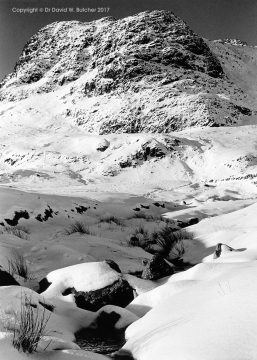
132,47
147,72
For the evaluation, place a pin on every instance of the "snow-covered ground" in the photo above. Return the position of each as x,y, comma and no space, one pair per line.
203,312
212,316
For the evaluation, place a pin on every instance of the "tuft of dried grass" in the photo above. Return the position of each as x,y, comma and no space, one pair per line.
78,227
30,326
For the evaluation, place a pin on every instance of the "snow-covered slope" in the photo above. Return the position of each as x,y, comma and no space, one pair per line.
191,166
239,63
199,313
209,311
214,318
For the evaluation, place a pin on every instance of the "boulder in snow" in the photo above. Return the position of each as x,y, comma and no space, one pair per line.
91,285
156,268
119,293
221,248
103,145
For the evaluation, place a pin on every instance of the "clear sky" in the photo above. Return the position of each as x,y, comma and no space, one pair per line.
212,19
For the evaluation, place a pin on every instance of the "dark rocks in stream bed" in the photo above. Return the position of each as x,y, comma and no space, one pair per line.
157,268
22,214
48,213
81,209
145,206
101,336
43,285
119,293
189,222
106,321
104,339
7,279
122,354
157,204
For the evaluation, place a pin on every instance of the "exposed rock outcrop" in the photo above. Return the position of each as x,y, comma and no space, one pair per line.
120,293
156,268
93,285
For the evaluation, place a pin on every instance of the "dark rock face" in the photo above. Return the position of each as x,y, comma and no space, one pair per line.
151,40
166,76
148,151
7,279
156,47
120,293
157,268
148,41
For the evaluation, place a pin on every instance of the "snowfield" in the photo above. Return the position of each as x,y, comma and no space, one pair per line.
213,319
208,311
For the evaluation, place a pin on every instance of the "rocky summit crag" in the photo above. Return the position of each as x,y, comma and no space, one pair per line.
149,72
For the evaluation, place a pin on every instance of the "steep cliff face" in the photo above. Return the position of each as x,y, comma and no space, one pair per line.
147,72
124,50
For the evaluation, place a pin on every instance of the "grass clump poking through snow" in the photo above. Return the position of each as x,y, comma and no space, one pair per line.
171,242
30,327
168,240
141,215
111,219
78,227
18,265
139,237
20,231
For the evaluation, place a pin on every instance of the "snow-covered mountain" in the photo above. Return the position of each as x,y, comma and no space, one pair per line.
97,104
